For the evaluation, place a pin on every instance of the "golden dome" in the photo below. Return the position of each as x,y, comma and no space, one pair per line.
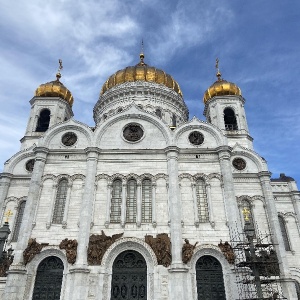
54,89
141,72
221,88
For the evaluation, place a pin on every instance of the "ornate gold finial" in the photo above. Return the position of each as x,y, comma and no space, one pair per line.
218,70
246,213
8,214
60,67
142,56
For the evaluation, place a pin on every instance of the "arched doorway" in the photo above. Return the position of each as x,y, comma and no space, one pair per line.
209,275
48,279
129,277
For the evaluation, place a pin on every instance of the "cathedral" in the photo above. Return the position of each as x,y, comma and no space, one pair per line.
147,203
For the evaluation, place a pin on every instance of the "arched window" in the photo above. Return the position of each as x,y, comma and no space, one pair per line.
18,221
146,201
116,201
202,204
60,202
43,121
284,233
158,112
230,119
48,279
174,121
209,276
129,276
131,201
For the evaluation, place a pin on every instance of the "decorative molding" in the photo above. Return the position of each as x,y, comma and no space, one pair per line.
71,249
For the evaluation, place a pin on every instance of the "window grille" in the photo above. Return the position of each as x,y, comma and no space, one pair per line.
230,119
202,201
116,201
131,201
60,202
284,234
18,221
146,201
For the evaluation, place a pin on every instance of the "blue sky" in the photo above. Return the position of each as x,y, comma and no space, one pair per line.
257,42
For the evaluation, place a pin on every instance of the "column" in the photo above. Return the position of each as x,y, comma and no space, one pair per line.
87,205
178,284
108,201
16,279
154,222
5,179
123,208
138,204
231,207
289,290
79,272
210,206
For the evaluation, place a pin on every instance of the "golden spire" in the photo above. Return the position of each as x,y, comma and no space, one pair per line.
246,213
60,67
142,56
8,214
218,70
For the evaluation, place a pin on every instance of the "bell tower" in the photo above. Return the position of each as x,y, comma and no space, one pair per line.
51,104
224,108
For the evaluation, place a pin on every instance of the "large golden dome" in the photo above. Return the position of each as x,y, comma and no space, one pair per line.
141,72
221,88
54,89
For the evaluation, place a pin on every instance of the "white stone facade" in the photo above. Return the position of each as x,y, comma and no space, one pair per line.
172,163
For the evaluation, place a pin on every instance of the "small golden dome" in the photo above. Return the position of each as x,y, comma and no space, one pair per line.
141,72
221,88
55,89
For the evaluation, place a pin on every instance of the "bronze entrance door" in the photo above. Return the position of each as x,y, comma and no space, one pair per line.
48,279
129,277
209,275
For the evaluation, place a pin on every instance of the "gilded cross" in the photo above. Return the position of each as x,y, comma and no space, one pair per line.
8,214
246,213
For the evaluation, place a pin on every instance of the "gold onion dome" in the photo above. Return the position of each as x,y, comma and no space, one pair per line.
221,87
55,89
141,72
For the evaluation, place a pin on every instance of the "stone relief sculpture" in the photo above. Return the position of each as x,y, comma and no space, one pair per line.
227,251
71,249
187,251
5,264
98,244
161,245
33,248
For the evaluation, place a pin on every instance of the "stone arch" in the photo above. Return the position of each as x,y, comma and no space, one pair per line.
33,266
228,275
120,246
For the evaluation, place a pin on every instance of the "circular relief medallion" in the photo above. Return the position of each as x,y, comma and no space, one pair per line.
196,138
29,165
69,139
239,163
133,132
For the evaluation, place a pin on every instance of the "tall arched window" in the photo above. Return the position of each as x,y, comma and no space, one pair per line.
202,204
43,121
230,119
131,201
174,121
48,279
116,201
60,202
158,112
18,221
284,233
129,276
209,276
146,201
